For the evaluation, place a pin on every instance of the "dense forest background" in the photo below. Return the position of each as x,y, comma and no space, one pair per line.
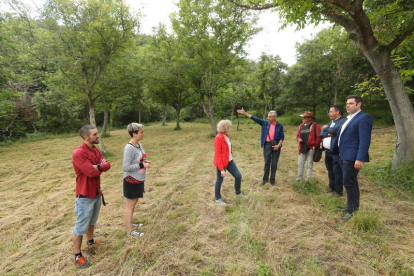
76,62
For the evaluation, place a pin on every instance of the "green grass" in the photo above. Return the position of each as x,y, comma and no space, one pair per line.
402,178
329,204
307,187
38,136
263,269
366,221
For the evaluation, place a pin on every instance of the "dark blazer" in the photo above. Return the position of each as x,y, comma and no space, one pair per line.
335,130
355,138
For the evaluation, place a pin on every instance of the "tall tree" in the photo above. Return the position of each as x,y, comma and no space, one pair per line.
377,27
23,68
166,71
271,72
87,35
123,80
212,35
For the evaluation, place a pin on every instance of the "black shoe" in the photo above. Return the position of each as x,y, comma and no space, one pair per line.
341,209
273,183
263,183
347,216
335,194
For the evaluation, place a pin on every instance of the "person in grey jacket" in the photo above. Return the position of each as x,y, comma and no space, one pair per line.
134,165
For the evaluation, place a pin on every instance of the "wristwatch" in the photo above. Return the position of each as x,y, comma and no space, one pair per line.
99,167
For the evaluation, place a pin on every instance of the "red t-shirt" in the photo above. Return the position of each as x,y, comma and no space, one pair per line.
88,179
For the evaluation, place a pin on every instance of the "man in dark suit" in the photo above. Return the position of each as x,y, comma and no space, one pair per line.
330,134
353,142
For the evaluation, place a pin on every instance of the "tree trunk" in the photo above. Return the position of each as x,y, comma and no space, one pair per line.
178,111
106,121
266,105
208,110
337,78
164,116
139,110
92,119
401,106
111,119
212,123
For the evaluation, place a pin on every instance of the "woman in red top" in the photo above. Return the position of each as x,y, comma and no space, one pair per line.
223,160
308,139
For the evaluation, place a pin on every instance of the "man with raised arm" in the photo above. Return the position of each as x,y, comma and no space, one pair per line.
271,141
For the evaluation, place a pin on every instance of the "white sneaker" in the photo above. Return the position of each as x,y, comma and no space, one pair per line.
136,233
241,195
137,225
298,179
220,202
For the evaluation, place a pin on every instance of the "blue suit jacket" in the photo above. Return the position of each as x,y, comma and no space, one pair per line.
356,138
279,134
335,130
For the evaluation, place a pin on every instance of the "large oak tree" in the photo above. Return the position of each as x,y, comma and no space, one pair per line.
377,27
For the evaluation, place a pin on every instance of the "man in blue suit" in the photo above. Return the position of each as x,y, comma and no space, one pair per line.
330,134
353,142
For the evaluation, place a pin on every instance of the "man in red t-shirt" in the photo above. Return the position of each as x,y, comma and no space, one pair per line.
89,164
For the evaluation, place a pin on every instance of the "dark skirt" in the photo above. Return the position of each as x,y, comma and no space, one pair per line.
132,191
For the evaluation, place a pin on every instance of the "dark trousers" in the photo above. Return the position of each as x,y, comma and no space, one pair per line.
351,184
334,172
271,157
231,168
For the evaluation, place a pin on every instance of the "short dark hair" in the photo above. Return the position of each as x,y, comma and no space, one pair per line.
338,108
85,130
358,99
134,128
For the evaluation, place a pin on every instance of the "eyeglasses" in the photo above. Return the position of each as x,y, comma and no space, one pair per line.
306,117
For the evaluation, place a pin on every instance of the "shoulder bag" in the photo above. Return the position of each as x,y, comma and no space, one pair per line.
317,155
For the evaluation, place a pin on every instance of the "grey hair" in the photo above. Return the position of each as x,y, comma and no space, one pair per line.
134,128
224,126
274,113
85,130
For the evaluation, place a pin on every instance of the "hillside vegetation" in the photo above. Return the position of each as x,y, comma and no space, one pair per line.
290,229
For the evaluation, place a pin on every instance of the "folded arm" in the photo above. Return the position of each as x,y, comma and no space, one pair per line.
81,162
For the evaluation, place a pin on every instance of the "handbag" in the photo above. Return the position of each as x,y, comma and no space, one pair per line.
317,155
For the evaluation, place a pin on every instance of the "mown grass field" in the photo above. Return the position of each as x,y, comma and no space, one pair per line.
290,229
